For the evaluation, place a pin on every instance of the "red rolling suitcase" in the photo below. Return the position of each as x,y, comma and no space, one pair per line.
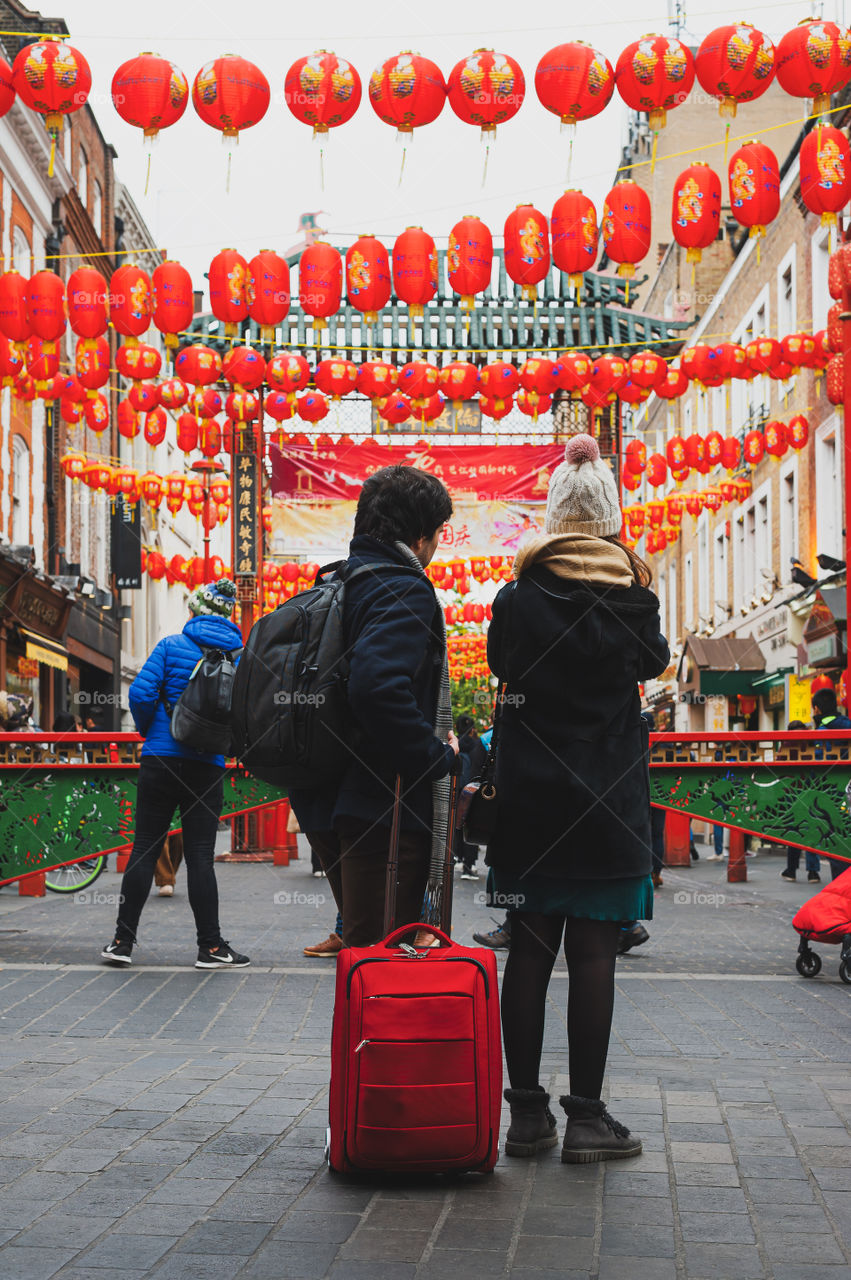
416,1055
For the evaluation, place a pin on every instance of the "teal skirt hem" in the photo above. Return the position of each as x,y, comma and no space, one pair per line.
624,899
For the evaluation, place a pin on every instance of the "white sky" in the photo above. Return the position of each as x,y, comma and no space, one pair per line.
275,173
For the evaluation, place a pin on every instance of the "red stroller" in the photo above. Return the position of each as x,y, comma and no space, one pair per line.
826,918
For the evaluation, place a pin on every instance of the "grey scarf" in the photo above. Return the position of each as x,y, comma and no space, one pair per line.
439,790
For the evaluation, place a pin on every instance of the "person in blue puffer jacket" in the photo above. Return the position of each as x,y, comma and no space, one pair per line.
173,776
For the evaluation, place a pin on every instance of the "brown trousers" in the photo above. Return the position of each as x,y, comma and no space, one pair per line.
354,859
165,872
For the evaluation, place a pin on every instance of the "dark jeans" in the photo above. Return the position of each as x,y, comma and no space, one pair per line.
354,859
168,783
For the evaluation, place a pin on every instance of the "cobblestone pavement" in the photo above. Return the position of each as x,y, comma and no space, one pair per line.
161,1122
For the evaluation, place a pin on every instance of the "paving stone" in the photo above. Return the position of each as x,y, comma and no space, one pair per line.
446,1263
568,1252
563,1220
724,1261
798,1247
651,1240
33,1264
61,1230
696,1175
621,1268
725,1228
352,1270
710,1200
460,1232
331,1227
121,1249
385,1244
302,1261
217,1237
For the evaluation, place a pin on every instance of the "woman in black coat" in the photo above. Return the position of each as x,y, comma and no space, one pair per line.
573,636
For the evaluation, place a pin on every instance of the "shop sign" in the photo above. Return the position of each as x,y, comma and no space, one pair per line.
245,507
825,647
776,695
35,611
717,717
126,545
28,668
798,705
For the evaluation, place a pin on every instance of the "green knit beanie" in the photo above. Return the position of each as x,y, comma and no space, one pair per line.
214,598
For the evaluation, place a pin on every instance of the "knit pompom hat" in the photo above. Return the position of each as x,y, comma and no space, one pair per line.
214,598
582,495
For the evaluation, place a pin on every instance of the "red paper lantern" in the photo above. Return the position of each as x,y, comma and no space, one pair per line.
674,507
144,396
675,384
835,339
150,93
227,281
156,423
630,481
396,408
825,171
731,360
210,438
531,403
696,211
267,292
288,373
312,406
187,433
574,81
42,361
96,413
204,402
713,445
46,305
496,407
608,375
459,380
486,89
156,565
735,63
244,368
675,452
242,406
130,301
320,282
407,91
418,379
428,408
754,180
231,94
799,351
527,248
763,355
654,74
575,235
198,365
322,90
635,457
173,394
279,405
11,362
469,259
336,378
499,380
7,87
776,443
376,379
173,301
695,450
700,364
70,412
138,362
753,447
835,380
814,61
14,318
731,454
647,369
655,514
626,225
539,375
574,372
92,361
54,79
368,280
128,420
415,268
798,431
87,297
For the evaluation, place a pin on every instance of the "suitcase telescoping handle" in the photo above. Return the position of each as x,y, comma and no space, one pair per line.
393,938
393,860
392,876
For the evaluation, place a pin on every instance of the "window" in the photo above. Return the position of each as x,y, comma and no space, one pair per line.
820,260
762,542
828,496
21,252
788,519
83,179
787,311
688,591
703,608
97,208
719,572
20,491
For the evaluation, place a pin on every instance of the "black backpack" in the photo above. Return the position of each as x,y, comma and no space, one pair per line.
290,718
201,717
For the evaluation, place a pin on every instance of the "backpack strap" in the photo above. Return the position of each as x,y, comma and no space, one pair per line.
230,654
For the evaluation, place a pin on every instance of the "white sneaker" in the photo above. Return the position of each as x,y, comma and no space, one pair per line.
166,890
714,857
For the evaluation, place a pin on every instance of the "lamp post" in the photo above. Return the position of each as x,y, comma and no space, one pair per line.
206,468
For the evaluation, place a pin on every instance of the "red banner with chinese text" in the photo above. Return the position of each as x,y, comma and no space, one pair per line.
504,472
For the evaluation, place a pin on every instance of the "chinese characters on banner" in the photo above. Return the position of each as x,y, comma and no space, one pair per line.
246,549
126,545
507,473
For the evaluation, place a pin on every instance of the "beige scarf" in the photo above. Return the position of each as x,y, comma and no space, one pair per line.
578,556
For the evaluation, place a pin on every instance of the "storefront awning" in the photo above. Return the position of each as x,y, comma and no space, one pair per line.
45,651
726,665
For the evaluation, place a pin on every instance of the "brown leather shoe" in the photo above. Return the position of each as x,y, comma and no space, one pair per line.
329,947
657,880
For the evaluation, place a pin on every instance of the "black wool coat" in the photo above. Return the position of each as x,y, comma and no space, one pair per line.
572,771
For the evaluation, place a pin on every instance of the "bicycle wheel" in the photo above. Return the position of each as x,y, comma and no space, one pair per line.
75,876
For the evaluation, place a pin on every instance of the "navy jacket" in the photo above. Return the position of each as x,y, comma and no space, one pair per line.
394,638
167,671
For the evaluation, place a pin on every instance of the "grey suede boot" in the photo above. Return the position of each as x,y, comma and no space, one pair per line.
533,1126
592,1135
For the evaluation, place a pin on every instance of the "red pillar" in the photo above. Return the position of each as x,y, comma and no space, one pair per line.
32,886
677,839
281,850
737,866
122,858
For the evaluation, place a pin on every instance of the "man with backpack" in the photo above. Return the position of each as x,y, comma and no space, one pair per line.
180,702
398,695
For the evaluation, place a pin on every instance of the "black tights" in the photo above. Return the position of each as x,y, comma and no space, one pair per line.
590,948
